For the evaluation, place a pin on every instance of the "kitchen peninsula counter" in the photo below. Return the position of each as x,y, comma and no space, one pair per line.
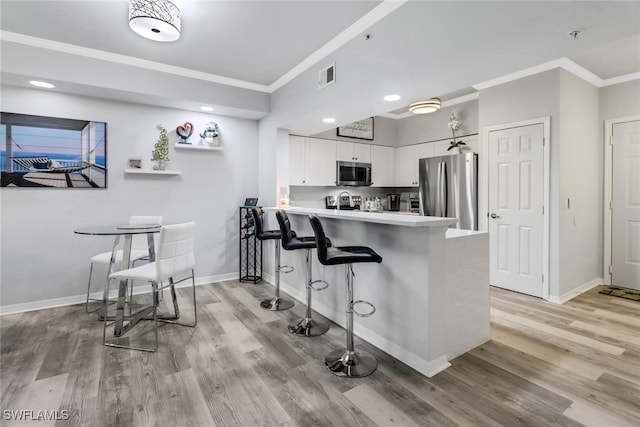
431,290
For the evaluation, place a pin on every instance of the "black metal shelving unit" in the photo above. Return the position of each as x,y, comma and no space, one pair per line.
250,248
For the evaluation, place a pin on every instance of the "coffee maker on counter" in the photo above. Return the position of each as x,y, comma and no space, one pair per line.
393,202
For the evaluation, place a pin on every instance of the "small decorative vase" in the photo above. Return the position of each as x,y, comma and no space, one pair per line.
159,165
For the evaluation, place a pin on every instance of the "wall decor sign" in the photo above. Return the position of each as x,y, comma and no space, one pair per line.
51,152
362,129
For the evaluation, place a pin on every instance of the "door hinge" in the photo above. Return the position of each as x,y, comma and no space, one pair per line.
610,269
610,205
543,278
542,209
610,139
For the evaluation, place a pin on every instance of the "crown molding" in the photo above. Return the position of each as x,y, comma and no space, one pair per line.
565,64
621,79
127,60
354,30
369,19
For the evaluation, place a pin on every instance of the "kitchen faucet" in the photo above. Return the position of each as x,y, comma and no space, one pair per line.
340,195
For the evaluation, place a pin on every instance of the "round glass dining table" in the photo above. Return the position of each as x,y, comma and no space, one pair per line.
128,231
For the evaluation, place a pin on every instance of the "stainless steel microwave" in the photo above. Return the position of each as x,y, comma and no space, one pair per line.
353,174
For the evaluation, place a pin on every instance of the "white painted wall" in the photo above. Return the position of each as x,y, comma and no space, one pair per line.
385,132
433,127
581,181
575,167
620,100
41,256
523,99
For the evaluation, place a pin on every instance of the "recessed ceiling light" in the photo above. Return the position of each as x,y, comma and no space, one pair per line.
329,120
42,84
206,108
392,97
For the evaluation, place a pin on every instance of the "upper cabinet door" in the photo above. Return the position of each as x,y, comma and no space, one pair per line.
383,166
352,152
362,153
320,162
297,160
406,174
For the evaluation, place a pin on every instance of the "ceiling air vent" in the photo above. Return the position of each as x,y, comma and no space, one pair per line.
326,76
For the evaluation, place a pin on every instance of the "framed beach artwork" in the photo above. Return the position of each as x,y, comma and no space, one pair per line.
362,129
52,152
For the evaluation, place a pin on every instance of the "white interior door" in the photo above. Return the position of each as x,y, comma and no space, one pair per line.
625,216
516,183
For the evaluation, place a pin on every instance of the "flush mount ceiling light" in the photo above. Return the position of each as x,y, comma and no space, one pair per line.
424,107
157,20
329,120
390,98
38,83
206,108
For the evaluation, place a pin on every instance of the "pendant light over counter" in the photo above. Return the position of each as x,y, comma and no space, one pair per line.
425,107
157,20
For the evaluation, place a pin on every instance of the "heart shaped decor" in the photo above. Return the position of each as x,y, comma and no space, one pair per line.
185,131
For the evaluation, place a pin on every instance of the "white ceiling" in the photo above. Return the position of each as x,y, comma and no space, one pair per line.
254,41
419,48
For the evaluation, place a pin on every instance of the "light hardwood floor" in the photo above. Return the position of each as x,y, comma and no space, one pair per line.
546,364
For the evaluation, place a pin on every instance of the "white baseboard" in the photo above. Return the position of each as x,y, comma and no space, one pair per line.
80,299
575,292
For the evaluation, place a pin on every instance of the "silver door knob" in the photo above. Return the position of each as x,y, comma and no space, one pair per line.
494,216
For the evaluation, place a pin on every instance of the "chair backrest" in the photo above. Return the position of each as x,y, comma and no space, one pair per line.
174,254
139,241
257,221
321,238
285,228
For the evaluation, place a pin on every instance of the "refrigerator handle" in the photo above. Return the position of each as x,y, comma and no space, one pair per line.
441,192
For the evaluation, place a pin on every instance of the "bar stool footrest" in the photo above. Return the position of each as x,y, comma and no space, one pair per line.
326,285
355,364
286,269
357,313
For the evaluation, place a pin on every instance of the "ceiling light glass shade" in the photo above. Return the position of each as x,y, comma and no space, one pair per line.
157,20
425,107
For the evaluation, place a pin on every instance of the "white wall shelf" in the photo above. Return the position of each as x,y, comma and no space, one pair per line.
152,171
197,147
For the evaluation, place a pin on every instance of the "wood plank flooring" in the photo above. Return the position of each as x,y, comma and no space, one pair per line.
546,364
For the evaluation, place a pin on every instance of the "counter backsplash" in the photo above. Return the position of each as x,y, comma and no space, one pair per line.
314,197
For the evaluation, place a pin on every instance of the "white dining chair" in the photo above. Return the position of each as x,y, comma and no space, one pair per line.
139,252
175,259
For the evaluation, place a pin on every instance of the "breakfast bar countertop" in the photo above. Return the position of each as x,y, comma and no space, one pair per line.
390,218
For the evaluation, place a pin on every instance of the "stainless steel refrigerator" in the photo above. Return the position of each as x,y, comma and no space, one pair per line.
449,188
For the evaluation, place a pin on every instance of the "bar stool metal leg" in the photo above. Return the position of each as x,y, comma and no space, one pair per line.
307,326
276,303
348,362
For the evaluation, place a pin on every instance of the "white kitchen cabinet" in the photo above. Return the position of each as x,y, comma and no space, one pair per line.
297,162
353,152
312,161
383,166
407,163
